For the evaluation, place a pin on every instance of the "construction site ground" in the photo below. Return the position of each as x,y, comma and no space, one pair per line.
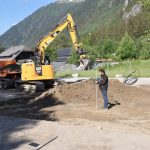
67,117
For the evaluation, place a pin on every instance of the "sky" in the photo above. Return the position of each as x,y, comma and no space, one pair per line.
14,11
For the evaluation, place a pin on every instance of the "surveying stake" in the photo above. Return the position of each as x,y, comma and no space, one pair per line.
96,91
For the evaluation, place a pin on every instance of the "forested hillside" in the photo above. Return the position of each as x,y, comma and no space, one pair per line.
101,23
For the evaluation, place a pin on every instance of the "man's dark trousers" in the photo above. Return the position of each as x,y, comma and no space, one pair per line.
104,93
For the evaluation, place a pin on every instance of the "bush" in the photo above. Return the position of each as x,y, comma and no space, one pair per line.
74,58
143,47
145,50
108,48
127,48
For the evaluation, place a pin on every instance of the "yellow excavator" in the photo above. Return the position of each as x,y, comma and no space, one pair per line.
39,72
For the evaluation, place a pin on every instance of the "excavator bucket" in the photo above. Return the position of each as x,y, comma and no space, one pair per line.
83,65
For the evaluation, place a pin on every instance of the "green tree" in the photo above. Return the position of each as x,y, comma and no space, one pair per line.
74,58
59,43
144,48
139,25
92,52
108,48
146,3
89,39
51,53
127,48
145,52
62,41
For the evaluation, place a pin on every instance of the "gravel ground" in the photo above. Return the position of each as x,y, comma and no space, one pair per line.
73,123
18,134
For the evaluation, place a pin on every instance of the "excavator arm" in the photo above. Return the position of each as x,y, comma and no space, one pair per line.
66,22
38,74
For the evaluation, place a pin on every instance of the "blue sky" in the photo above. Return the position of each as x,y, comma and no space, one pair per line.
13,11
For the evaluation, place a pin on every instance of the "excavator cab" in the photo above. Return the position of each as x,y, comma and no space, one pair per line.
47,60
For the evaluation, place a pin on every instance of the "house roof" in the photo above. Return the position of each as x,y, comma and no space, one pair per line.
12,52
64,52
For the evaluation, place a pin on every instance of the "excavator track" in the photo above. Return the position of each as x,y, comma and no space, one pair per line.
6,83
33,87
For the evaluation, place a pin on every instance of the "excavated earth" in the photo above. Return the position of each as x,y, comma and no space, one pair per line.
71,103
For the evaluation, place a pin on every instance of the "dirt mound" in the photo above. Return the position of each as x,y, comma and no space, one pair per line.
80,92
77,100
85,92
128,95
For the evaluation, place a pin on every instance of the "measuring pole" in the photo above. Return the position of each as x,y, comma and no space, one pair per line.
96,91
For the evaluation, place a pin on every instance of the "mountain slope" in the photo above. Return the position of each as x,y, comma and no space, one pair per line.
88,15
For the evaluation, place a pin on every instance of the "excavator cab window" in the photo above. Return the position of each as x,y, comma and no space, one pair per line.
47,60
37,57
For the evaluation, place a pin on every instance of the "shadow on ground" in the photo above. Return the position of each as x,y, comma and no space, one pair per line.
9,126
111,105
30,107
25,107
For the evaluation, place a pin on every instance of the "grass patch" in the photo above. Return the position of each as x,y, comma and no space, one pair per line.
122,68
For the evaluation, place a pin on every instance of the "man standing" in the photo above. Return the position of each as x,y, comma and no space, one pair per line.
103,86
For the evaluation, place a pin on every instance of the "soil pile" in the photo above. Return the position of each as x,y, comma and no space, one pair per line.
77,100
80,92
85,92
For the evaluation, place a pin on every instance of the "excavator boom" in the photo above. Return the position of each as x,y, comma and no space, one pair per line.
66,22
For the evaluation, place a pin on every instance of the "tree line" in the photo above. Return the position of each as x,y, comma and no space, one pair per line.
126,48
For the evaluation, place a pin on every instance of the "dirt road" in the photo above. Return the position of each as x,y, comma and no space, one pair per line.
129,106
